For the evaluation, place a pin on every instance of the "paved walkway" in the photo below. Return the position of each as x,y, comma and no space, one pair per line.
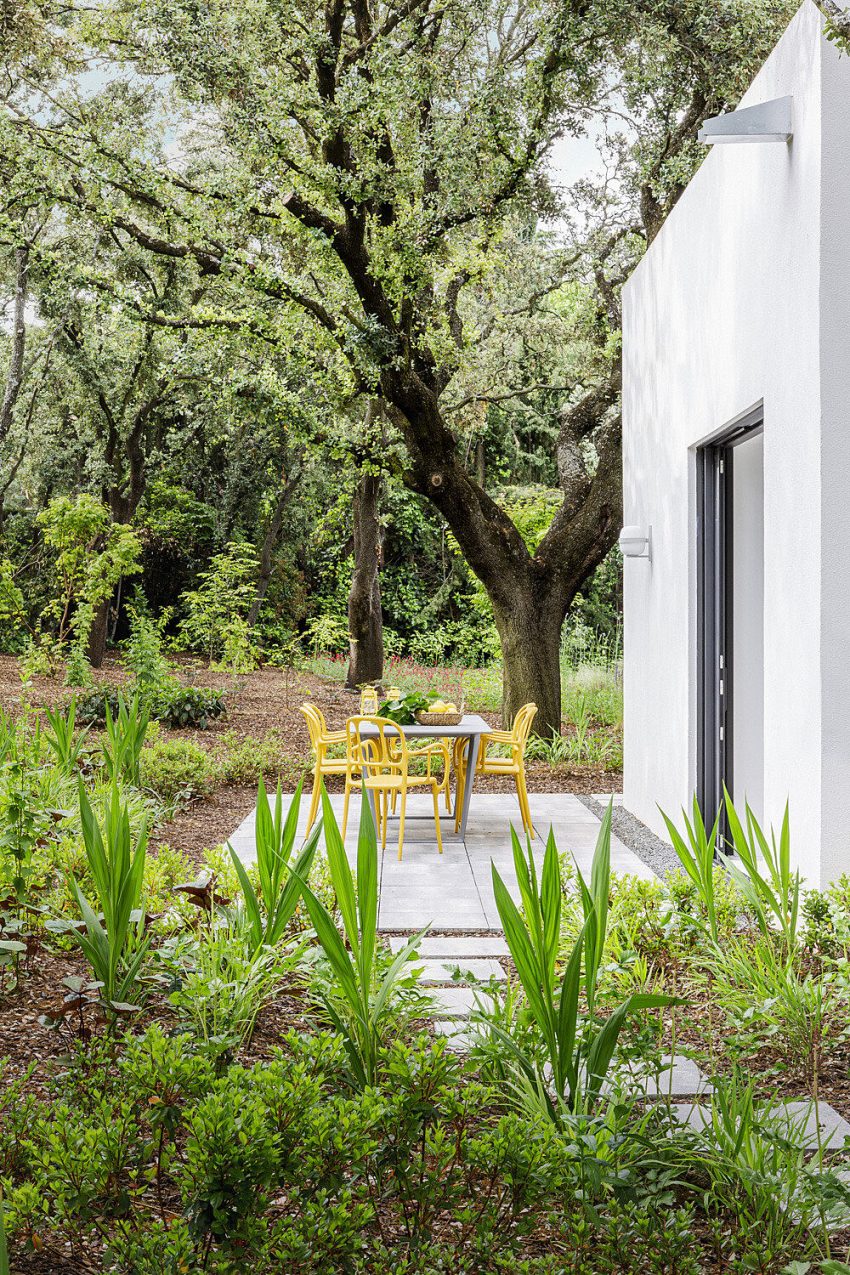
454,891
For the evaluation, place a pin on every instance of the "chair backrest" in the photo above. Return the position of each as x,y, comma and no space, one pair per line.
315,724
368,701
522,726
382,752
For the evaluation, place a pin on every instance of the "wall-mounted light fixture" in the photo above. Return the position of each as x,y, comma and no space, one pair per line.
636,542
766,122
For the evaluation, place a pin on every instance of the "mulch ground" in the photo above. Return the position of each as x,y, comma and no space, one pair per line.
259,704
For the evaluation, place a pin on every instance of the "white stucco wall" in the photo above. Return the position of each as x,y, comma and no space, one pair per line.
725,311
835,467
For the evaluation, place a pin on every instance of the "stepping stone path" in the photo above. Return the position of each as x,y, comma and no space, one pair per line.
438,956
678,1076
833,1127
475,970
477,957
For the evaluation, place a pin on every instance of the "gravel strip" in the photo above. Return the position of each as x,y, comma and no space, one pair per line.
654,852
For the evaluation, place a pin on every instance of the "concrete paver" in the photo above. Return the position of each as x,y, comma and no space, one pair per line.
458,946
481,970
454,891
799,1113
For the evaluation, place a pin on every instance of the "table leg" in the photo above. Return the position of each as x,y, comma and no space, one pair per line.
471,763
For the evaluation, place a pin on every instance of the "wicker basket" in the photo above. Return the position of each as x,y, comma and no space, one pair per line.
439,719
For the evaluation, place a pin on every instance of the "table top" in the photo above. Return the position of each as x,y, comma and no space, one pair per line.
470,724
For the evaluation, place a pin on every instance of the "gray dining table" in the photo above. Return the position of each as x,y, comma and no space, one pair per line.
470,727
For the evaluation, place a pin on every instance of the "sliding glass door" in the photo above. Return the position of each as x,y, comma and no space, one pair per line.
730,637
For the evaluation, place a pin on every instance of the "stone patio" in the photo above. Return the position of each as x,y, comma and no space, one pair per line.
454,891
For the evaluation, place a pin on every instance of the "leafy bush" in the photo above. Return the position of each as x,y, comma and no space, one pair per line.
176,706
176,770
327,634
224,595
143,650
221,981
34,797
182,706
12,609
92,553
246,759
769,1002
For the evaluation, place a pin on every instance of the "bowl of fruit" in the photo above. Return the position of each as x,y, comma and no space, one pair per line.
440,713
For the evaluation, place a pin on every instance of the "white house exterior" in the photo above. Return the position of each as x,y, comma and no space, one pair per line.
740,314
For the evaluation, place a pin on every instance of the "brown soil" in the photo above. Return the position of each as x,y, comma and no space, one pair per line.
259,704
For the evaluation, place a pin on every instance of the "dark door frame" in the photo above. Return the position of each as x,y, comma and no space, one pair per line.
715,671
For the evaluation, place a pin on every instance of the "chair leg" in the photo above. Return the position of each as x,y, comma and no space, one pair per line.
525,809
345,805
314,800
447,781
382,798
435,793
402,809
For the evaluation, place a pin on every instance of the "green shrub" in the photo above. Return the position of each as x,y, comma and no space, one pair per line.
221,981
232,1159
12,609
176,770
165,868
271,1168
246,759
174,705
91,554
182,706
143,650
224,594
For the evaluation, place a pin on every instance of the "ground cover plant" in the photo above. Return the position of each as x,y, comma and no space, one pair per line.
233,1069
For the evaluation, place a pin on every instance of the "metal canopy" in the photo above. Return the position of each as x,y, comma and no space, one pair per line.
766,122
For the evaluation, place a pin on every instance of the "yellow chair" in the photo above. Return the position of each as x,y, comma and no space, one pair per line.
439,749
381,761
516,740
322,739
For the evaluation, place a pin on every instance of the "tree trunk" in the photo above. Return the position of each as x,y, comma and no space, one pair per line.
98,634
15,375
531,640
269,544
530,594
123,507
365,625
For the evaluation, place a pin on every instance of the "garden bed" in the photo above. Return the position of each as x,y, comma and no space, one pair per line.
235,1091
264,733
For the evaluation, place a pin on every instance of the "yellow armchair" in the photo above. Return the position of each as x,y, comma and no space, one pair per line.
513,764
321,740
380,759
